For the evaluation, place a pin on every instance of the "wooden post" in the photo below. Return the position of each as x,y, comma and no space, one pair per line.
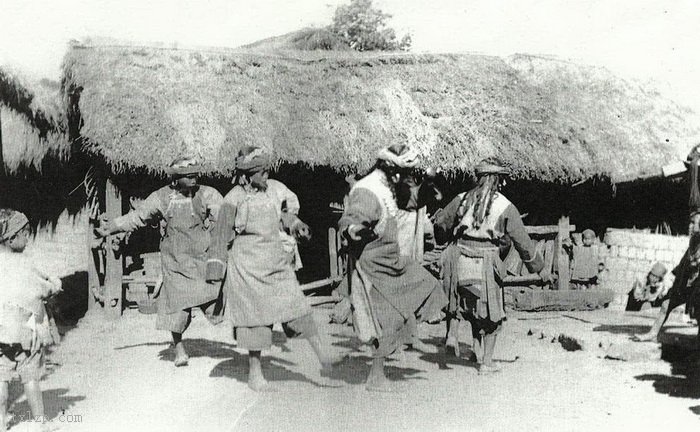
333,252
2,156
549,257
93,277
114,270
562,256
342,257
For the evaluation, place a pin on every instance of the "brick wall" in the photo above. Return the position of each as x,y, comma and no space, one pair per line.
629,255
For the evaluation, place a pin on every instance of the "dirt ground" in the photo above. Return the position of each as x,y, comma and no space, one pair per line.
119,375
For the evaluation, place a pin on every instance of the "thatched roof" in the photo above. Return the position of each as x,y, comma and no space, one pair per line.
550,120
32,120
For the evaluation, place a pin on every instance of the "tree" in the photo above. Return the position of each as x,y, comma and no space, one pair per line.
363,27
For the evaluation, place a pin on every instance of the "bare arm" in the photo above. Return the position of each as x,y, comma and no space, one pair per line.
149,209
445,220
515,228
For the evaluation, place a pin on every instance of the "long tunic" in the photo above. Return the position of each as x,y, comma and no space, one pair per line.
401,289
473,259
184,247
23,318
414,231
585,262
261,286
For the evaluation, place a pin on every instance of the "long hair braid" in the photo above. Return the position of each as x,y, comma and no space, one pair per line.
480,198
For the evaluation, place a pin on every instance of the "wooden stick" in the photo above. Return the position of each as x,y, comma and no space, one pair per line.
546,229
562,256
333,251
311,286
521,279
319,300
114,270
93,277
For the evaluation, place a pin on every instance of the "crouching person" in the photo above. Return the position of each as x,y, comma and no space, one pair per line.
685,290
25,328
260,283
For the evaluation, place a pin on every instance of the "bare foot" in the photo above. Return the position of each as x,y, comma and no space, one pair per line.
646,337
418,345
334,360
181,357
486,369
452,347
380,385
260,385
328,365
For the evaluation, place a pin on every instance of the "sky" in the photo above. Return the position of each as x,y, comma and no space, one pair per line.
648,40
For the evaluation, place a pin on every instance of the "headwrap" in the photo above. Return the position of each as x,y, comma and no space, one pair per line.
589,234
184,166
11,222
490,167
255,161
659,270
408,159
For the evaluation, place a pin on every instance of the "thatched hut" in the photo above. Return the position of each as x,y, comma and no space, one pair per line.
323,114
550,120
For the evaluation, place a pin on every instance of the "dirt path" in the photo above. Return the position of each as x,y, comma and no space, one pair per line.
119,376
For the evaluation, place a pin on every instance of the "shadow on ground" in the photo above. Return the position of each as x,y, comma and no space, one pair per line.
274,369
444,358
204,347
684,381
354,369
56,402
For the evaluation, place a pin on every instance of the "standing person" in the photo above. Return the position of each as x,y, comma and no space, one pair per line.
686,285
416,191
188,211
478,224
25,328
389,292
261,286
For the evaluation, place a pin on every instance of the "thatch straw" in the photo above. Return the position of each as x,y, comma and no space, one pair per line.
23,145
31,116
141,107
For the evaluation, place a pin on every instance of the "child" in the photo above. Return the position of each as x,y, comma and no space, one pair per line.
24,324
650,293
584,266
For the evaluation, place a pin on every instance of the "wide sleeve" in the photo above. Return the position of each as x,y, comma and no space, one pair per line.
222,233
47,284
362,208
212,201
139,217
521,240
285,196
445,220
